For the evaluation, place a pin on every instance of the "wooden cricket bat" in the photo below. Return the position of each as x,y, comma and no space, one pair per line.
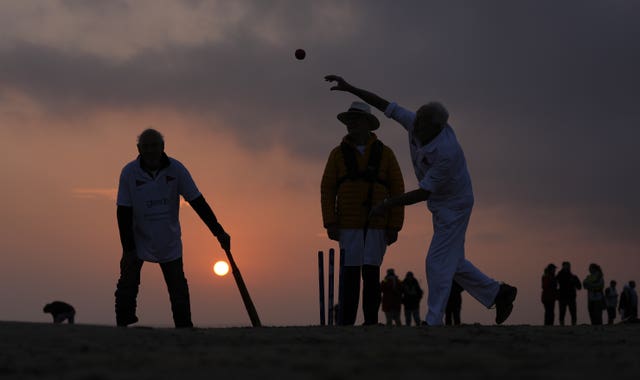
248,304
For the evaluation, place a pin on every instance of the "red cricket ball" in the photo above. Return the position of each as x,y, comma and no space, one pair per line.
300,54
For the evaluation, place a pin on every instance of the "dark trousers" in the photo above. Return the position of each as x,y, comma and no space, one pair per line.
412,314
549,312
452,316
595,312
611,314
129,282
562,310
351,294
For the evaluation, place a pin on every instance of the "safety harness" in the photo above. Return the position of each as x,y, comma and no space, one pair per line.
370,173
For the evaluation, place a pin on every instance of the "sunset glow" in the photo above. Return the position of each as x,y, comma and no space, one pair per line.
221,268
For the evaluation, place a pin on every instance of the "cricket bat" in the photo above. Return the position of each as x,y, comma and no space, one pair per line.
248,304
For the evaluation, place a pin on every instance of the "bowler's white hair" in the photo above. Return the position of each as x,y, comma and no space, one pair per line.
433,112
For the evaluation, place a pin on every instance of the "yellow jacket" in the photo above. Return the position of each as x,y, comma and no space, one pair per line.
344,204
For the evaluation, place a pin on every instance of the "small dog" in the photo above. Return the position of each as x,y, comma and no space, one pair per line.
60,311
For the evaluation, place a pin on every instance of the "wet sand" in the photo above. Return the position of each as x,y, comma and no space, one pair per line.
47,351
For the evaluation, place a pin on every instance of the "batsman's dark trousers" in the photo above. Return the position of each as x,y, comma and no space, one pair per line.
370,294
129,282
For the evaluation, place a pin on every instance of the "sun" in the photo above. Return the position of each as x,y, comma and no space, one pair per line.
221,268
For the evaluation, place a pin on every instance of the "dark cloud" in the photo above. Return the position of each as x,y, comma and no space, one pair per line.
542,94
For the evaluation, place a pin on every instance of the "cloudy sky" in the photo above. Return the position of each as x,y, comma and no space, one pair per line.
542,94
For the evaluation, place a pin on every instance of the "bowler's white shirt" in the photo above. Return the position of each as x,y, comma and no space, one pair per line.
156,205
440,166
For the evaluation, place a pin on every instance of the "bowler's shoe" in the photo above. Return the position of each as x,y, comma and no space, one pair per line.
504,302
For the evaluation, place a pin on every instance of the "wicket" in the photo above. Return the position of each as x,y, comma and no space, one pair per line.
331,309
321,285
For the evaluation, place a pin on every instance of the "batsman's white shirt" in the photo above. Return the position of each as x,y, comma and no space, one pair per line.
156,205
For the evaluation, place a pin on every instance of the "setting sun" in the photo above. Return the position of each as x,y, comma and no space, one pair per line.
221,268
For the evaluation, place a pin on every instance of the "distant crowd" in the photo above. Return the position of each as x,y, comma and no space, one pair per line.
563,286
560,289
407,293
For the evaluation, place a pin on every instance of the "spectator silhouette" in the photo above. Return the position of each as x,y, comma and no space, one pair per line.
611,298
411,296
454,305
594,284
568,284
629,303
549,293
60,311
633,301
391,289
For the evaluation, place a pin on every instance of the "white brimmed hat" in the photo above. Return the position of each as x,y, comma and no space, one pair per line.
357,110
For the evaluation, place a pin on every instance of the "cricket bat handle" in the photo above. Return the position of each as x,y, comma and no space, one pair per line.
244,293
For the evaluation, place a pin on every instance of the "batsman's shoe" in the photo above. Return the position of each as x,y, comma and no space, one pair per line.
504,302
126,321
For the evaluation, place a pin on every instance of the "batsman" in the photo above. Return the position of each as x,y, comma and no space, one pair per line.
148,205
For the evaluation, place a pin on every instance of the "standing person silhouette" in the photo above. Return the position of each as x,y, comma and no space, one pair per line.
454,306
391,289
594,284
549,294
611,298
628,305
568,284
148,207
360,172
411,296
444,182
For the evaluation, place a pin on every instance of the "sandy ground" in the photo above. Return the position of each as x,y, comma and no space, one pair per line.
47,351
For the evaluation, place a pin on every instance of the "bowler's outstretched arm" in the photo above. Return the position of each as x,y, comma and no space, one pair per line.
367,96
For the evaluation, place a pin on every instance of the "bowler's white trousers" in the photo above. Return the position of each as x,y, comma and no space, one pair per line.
445,260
